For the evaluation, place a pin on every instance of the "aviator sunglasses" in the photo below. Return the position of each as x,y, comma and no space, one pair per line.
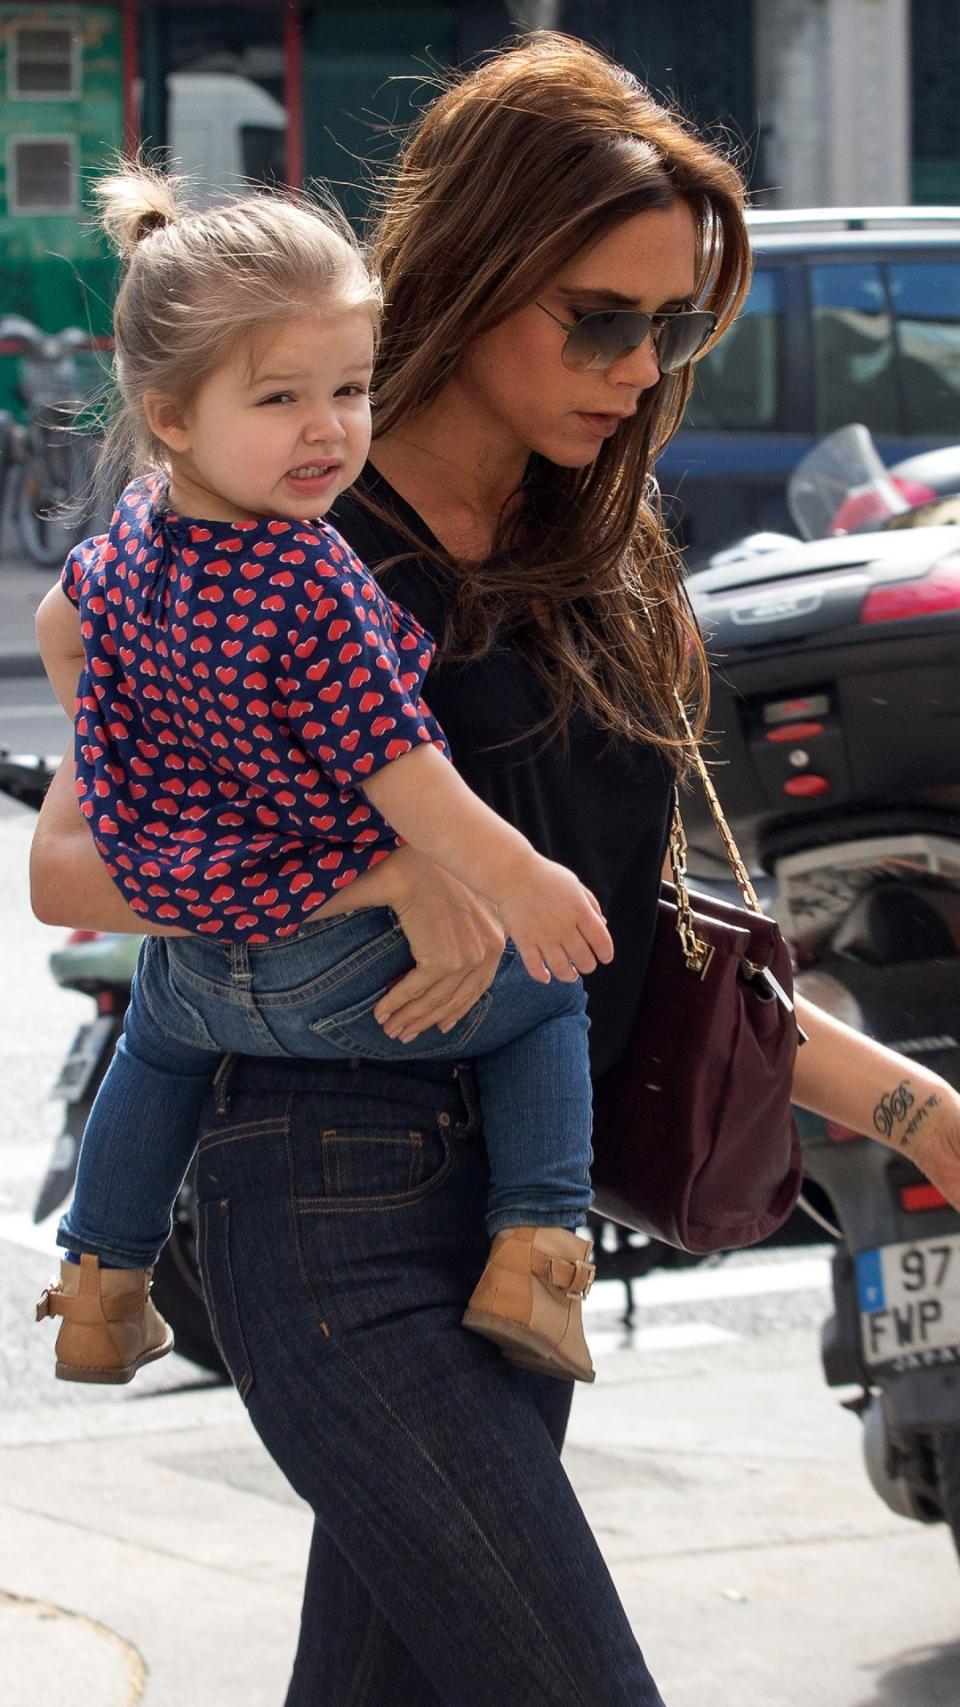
599,340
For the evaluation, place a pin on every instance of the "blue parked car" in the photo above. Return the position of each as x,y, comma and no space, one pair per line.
853,315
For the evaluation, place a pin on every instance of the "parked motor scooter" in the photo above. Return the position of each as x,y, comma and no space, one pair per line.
836,717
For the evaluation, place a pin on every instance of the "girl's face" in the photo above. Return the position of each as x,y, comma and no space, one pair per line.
514,375
280,429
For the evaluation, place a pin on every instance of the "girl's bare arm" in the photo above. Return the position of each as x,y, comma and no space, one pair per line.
61,645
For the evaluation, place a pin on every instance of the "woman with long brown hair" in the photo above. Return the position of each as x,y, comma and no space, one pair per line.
555,249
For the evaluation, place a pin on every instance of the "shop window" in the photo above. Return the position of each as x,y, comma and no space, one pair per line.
43,63
41,174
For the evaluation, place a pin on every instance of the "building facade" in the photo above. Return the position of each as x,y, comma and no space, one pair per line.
825,101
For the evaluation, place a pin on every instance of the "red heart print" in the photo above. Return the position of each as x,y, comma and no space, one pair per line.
243,595
369,700
358,677
396,748
339,717
235,621
364,764
380,725
349,741
232,647
338,628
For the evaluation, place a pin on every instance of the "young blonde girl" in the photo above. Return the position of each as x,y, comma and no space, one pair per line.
252,744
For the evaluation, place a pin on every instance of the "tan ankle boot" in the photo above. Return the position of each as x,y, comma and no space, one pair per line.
528,1300
109,1325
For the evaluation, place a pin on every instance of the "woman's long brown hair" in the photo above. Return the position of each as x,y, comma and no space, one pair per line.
510,173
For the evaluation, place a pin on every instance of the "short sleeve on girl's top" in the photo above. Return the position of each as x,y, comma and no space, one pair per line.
352,692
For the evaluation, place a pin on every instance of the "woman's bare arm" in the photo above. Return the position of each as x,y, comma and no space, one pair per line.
69,883
859,1083
455,938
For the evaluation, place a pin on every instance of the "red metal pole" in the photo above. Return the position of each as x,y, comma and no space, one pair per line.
131,66
293,90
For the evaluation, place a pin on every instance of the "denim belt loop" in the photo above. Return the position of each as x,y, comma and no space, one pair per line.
240,963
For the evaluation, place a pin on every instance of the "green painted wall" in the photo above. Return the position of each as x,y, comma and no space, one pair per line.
53,268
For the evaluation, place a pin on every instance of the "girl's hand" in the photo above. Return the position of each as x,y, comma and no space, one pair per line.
455,938
555,922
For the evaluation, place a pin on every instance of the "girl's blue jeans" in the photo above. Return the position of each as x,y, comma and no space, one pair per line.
341,1232
311,997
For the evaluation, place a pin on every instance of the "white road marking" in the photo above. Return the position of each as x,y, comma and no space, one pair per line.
744,1280
671,1336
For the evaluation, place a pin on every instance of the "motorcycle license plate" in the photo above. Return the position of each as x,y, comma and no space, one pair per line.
81,1063
909,1298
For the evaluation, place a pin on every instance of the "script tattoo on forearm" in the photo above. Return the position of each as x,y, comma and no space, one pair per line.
892,1107
917,1120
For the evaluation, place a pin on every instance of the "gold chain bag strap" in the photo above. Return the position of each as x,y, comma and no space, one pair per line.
694,1138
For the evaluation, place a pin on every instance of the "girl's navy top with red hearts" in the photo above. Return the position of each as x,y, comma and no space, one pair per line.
241,681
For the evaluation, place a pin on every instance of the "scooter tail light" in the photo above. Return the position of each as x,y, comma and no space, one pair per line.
106,1002
77,937
925,596
839,1134
914,1197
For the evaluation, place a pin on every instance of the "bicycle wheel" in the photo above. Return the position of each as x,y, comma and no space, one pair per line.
45,535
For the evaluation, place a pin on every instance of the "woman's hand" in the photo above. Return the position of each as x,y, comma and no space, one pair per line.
456,939
859,1083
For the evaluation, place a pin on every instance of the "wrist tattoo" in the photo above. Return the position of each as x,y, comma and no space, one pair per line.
925,1109
893,1105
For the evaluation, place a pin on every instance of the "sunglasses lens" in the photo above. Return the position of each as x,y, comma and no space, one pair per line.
600,340
683,337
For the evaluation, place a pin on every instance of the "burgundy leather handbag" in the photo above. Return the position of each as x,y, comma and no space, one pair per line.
694,1139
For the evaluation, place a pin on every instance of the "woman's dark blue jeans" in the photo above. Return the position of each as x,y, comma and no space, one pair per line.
341,1232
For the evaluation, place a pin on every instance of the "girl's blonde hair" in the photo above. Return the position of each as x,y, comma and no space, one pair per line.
197,283
517,167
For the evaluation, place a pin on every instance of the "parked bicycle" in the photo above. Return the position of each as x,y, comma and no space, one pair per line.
46,460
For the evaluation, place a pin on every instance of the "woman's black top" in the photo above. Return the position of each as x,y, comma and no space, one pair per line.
600,808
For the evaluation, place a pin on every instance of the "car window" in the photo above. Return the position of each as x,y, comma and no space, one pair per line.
854,358
737,386
926,300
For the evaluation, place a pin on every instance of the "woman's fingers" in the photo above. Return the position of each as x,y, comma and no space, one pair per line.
422,989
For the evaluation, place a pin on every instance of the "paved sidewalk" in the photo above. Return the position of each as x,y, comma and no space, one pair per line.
149,1551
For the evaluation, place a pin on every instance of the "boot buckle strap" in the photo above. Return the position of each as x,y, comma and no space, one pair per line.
573,1278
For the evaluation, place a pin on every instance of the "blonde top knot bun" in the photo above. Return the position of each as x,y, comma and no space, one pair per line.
134,202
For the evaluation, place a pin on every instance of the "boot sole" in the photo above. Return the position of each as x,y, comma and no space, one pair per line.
112,1377
524,1348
